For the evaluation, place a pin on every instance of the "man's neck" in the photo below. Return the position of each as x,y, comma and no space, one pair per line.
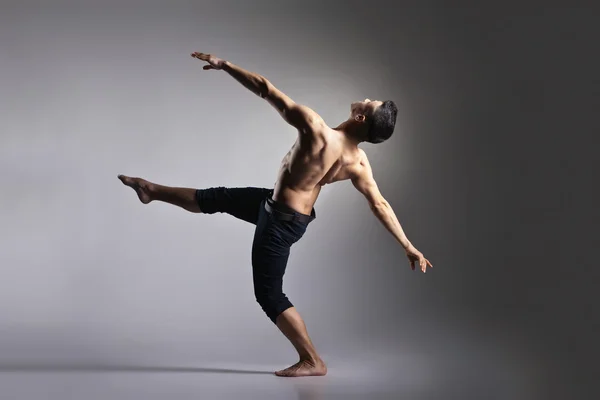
348,129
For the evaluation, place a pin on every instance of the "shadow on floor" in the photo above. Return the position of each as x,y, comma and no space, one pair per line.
33,367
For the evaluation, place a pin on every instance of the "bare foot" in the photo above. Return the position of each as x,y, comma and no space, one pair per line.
142,187
304,368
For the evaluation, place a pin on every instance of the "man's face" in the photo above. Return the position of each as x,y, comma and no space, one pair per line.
366,107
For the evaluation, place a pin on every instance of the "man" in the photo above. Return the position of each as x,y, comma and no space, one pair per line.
321,155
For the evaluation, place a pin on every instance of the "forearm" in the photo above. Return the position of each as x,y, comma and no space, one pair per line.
256,83
386,215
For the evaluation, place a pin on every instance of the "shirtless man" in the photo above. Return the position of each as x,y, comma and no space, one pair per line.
321,155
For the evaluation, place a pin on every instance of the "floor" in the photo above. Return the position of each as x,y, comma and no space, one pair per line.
363,376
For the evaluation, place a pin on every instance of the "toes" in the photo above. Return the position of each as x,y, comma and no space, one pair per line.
127,180
294,370
284,372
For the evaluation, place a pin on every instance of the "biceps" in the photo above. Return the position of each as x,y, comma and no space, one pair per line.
276,98
297,115
370,190
374,197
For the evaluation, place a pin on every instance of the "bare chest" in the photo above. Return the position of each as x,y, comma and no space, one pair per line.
317,161
339,171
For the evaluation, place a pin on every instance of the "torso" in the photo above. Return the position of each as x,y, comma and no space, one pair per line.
316,159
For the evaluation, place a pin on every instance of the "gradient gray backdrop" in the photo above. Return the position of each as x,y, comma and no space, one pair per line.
479,171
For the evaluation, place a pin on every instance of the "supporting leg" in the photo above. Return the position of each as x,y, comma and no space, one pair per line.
290,323
270,253
148,191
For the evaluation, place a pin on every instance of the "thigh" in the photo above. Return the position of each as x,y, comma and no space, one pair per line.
240,202
270,254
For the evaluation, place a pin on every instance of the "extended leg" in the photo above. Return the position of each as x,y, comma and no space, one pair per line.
148,191
240,202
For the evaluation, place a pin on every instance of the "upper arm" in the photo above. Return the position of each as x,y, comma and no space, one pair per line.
364,182
301,117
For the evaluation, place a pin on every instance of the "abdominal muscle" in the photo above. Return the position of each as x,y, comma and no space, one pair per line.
299,200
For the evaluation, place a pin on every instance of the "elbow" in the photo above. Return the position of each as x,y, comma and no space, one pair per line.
264,87
379,206
380,212
378,202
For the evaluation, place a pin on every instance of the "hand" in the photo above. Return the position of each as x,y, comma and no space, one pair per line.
213,62
415,256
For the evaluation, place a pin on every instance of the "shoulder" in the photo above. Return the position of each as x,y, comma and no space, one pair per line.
361,167
362,156
363,160
309,118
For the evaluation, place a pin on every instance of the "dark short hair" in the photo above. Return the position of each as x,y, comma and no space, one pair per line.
382,122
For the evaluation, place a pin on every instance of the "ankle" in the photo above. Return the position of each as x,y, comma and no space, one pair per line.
312,359
152,189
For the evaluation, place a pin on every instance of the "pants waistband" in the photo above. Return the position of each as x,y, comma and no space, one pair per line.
286,213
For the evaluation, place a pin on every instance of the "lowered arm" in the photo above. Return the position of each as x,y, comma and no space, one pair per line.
364,182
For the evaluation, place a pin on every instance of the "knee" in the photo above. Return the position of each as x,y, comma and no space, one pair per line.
267,299
209,200
272,302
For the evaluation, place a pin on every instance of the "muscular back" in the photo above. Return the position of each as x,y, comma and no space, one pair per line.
317,158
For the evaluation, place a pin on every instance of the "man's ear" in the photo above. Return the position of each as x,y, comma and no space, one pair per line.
360,118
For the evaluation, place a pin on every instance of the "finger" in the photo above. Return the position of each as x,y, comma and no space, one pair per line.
412,264
423,265
207,67
430,265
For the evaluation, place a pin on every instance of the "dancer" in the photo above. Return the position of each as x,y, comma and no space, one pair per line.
321,155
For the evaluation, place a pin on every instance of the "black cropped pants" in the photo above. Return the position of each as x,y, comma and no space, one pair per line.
273,237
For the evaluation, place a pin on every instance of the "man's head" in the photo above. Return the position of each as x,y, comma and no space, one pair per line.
379,117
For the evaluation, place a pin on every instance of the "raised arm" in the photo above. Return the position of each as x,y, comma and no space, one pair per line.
301,117
364,182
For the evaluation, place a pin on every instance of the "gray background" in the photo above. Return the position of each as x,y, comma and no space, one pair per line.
490,170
